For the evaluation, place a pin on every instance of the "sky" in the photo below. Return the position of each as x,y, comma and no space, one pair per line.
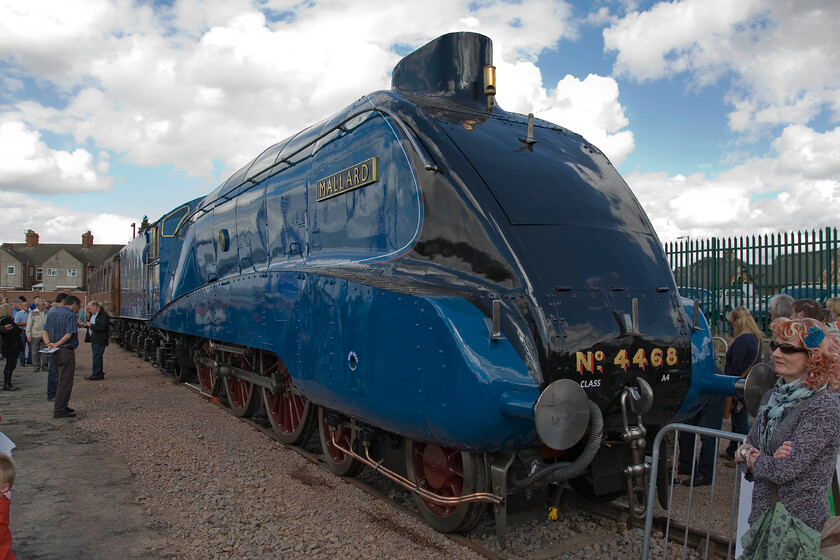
722,116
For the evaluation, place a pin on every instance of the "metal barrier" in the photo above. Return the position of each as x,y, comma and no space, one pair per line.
686,525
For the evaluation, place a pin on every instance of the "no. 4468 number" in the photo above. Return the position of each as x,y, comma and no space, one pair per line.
594,361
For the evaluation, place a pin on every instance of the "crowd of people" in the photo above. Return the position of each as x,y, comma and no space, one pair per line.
791,449
44,335
742,354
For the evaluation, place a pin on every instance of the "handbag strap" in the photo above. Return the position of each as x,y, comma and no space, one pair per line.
757,353
835,491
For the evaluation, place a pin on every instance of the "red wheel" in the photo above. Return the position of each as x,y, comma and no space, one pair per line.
243,399
448,473
339,462
206,375
290,414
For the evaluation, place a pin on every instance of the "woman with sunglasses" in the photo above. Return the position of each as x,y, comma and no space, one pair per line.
794,441
741,356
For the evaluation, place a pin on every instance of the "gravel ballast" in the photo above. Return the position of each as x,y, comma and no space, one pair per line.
194,482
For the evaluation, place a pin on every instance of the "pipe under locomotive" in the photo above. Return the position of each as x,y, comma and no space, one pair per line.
470,300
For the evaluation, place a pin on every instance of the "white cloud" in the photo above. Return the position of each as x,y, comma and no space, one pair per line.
104,162
777,53
207,81
802,150
215,80
588,107
600,17
55,224
28,165
672,37
52,36
795,187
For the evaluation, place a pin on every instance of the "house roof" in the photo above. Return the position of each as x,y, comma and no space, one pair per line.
715,273
802,268
39,254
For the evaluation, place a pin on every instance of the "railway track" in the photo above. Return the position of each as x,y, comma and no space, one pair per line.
482,540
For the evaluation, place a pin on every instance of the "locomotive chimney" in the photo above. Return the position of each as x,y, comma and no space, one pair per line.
87,240
458,65
31,238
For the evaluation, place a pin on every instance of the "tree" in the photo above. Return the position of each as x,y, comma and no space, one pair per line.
144,225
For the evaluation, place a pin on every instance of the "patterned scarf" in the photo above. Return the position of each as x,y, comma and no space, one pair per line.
784,397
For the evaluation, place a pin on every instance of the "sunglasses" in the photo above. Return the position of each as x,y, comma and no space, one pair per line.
785,347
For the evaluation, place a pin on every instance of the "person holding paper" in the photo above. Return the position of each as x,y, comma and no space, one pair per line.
61,332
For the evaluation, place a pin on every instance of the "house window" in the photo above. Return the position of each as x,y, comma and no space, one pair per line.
10,270
52,272
71,273
39,274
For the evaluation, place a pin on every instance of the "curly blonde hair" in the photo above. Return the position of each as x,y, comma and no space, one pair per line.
823,366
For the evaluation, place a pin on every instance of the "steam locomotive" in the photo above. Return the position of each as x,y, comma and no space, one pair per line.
470,301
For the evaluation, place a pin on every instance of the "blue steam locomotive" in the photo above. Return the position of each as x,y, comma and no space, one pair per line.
468,300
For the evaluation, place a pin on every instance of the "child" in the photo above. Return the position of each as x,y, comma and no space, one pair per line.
7,478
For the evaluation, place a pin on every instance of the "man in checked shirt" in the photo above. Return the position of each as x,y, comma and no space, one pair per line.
62,327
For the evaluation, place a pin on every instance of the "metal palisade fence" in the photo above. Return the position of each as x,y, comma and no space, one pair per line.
723,273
